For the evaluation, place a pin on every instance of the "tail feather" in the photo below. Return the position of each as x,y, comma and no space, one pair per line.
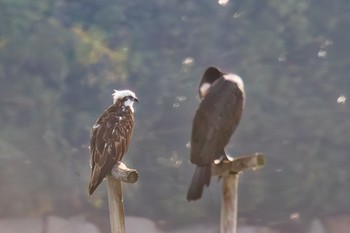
95,180
201,177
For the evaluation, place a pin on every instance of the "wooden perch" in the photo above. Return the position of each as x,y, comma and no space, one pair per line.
229,170
120,173
124,174
239,164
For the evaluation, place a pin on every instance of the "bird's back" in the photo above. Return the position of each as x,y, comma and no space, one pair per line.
215,121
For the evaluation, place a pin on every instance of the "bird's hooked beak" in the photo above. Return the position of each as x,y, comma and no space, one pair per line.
135,99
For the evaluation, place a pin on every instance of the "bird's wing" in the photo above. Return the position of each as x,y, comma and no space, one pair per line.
215,121
109,141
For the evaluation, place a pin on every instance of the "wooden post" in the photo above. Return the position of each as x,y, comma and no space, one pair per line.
115,204
120,173
228,221
229,171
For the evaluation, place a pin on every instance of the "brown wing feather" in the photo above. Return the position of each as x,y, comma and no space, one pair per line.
109,142
215,121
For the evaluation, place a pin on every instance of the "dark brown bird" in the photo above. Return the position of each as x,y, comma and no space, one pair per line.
216,119
110,136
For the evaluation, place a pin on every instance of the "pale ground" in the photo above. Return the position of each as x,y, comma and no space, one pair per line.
78,224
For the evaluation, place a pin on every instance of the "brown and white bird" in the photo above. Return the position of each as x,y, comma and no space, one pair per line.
110,136
216,119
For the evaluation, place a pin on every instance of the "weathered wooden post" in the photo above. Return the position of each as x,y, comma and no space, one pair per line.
120,173
228,220
229,171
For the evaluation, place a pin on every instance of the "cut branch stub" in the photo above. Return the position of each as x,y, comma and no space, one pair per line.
124,174
239,164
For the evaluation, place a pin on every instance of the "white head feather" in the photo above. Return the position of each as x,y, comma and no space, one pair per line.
204,89
121,94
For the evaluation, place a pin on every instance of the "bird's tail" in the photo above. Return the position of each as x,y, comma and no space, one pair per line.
200,178
95,179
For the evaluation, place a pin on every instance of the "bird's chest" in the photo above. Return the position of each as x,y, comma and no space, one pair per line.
123,120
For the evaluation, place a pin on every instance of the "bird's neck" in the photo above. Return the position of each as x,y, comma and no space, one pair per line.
129,103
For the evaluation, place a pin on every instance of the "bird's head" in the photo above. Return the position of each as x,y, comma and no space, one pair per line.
127,98
209,77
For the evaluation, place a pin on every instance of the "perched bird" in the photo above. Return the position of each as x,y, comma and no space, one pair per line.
110,136
216,119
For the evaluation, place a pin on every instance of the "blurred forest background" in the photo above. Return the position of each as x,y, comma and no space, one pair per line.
60,61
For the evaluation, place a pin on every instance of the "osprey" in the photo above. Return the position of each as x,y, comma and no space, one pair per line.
110,136
218,115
